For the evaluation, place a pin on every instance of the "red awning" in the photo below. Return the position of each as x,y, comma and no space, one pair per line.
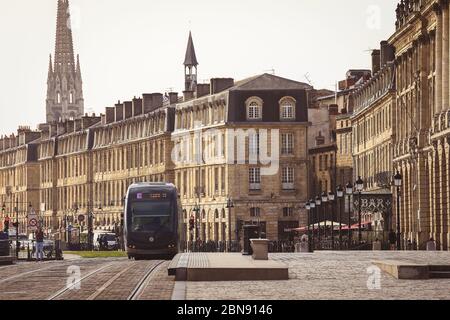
356,225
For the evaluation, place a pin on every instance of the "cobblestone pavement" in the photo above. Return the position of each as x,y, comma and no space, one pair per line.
331,275
99,279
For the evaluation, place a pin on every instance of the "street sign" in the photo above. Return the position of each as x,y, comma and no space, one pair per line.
32,220
81,218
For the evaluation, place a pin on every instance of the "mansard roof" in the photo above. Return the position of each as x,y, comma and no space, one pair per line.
269,82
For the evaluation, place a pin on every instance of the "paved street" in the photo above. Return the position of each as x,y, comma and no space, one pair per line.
92,279
331,275
322,275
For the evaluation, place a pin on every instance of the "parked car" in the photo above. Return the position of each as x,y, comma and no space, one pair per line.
110,237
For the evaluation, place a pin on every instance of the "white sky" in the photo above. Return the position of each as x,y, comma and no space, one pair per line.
137,46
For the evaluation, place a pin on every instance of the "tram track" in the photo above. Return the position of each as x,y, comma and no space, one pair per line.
64,290
140,287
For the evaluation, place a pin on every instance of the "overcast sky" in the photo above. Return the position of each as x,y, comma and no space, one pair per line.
137,46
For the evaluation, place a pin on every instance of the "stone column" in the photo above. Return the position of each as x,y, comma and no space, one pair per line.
438,100
437,186
445,194
445,55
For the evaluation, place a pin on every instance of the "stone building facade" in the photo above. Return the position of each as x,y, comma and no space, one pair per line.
372,121
422,127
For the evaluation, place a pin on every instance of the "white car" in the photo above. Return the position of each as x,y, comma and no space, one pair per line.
111,238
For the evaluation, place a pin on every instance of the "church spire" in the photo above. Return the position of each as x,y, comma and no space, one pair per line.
190,59
64,85
190,66
64,55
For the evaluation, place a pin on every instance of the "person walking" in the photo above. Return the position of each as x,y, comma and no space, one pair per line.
392,240
39,244
431,245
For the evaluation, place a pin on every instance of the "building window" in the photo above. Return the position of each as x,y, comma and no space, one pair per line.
253,144
288,178
287,109
288,212
255,212
254,108
254,178
287,144
58,97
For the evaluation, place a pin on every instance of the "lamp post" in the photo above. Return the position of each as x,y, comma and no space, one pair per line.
230,205
349,192
398,183
312,204
197,212
359,188
331,198
308,209
318,204
340,195
324,211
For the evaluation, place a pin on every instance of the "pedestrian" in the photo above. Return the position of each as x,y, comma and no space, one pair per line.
376,245
105,242
39,244
392,239
431,245
409,245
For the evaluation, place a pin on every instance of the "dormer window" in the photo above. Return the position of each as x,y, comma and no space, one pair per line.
254,109
287,109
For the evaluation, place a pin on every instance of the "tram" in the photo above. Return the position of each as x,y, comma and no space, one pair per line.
152,221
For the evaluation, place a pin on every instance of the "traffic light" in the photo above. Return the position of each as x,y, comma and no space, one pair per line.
191,223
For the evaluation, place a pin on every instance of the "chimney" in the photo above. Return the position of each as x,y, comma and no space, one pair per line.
333,110
203,90
61,128
173,97
387,53
119,111
137,107
375,61
152,101
128,112
221,84
70,126
78,124
109,118
188,95
88,122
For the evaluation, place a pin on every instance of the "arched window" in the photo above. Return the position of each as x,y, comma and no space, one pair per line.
58,97
287,108
254,109
71,97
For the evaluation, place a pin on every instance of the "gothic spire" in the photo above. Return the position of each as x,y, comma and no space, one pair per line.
64,84
190,59
64,55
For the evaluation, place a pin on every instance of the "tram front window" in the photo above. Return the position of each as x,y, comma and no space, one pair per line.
150,216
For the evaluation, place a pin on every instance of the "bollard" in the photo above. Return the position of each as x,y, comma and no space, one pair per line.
28,252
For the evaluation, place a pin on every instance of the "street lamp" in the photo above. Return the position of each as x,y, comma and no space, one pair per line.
340,195
398,183
324,211
359,187
308,208
230,205
312,204
197,213
318,203
349,191
331,197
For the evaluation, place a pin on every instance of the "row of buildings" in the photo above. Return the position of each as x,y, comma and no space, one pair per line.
266,144
394,118
240,141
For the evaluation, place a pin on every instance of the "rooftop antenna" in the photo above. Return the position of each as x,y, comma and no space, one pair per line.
308,78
